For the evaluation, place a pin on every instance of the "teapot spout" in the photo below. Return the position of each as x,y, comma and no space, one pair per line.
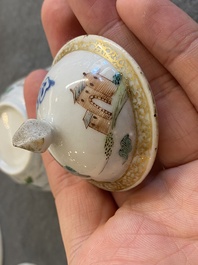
33,135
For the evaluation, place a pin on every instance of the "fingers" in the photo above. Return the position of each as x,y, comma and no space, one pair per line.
59,23
100,17
169,34
177,130
102,13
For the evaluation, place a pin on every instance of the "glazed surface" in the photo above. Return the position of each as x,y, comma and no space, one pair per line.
90,109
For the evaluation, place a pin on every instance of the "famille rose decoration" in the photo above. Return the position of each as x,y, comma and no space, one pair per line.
95,115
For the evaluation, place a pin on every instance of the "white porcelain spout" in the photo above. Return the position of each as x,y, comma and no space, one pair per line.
33,135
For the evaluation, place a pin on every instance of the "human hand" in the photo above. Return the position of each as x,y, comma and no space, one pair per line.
156,223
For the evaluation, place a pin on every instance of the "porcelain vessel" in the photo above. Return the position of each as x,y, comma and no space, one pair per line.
22,166
95,115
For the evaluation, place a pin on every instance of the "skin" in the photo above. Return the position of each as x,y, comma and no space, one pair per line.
157,222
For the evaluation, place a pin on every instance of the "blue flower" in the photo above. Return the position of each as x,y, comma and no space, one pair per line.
46,85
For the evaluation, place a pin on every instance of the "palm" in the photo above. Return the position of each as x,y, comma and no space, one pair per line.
156,223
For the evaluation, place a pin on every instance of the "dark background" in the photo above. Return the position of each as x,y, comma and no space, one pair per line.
28,217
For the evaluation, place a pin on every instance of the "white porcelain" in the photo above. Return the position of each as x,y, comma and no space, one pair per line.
22,166
95,115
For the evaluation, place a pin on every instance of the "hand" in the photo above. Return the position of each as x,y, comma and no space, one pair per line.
156,223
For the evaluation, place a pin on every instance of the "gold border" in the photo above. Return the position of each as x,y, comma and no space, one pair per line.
141,107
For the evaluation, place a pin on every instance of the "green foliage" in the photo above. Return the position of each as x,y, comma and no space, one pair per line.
126,147
29,180
109,142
